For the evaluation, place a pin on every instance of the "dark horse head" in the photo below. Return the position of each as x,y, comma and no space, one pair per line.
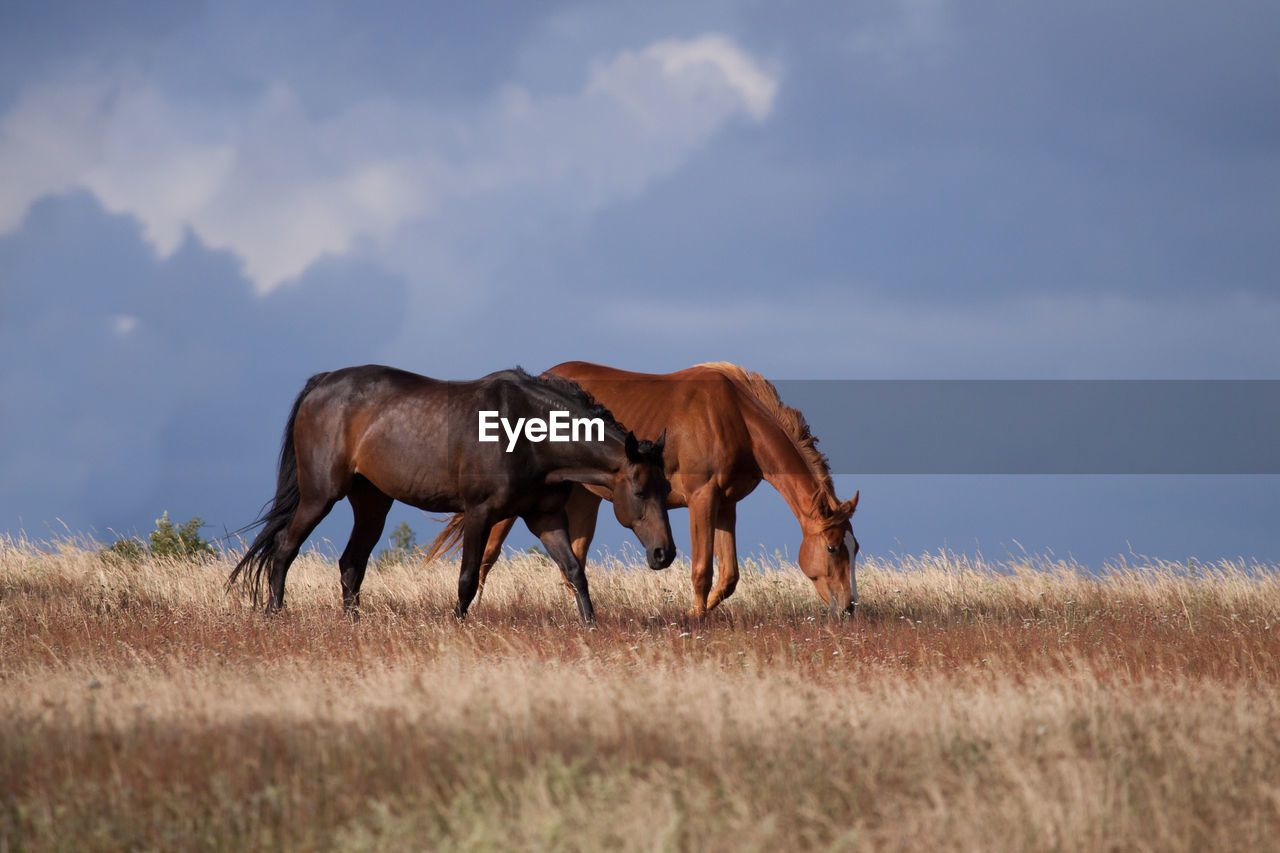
638,488
639,494
640,499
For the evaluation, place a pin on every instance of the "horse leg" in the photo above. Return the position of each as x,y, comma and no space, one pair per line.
309,513
552,530
582,510
703,505
726,553
370,507
493,550
475,533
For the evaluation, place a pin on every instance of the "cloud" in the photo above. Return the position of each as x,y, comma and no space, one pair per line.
842,334
917,29
141,384
49,140
710,72
282,188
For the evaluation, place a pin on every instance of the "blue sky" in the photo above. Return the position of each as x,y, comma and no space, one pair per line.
203,204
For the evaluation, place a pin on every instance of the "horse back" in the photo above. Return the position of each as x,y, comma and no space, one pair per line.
705,416
401,431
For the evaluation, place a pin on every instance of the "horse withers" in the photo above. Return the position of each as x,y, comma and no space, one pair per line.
375,435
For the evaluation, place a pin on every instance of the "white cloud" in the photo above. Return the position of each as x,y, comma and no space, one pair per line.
691,83
283,189
124,324
48,141
156,163
714,63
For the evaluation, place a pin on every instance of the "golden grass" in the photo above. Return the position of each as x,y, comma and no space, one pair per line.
1021,706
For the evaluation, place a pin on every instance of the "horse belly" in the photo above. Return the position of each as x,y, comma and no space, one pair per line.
424,487
407,464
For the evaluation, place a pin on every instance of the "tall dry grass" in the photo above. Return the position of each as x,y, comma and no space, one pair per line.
1025,705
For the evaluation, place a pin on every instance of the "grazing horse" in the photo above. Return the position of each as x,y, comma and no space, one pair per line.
726,430
375,435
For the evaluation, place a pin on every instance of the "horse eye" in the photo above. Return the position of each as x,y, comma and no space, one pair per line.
833,549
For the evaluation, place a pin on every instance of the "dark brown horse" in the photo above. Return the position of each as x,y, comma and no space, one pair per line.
375,435
726,430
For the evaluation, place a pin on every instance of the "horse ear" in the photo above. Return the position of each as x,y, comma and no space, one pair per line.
847,508
661,442
633,448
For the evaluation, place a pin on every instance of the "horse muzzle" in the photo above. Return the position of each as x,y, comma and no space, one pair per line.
835,612
660,558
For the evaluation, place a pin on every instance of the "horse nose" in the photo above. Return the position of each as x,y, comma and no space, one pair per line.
660,557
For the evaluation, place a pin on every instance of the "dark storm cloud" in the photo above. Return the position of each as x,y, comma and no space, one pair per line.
967,152
938,190
38,39
132,385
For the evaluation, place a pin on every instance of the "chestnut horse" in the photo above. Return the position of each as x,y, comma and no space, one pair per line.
726,430
375,434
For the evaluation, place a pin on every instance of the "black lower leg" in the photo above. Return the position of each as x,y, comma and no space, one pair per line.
474,536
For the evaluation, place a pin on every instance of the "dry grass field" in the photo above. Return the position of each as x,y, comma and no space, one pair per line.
1020,706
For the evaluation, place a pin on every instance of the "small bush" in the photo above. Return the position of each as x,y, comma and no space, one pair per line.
167,541
183,541
128,550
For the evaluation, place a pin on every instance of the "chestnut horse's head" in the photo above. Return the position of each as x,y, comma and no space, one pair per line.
639,496
828,553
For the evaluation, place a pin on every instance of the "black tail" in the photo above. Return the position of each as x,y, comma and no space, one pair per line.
276,516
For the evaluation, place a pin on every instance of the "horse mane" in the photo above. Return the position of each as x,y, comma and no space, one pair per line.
792,423
546,385
566,390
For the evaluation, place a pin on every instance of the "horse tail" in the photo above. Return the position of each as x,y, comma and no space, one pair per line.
277,513
448,540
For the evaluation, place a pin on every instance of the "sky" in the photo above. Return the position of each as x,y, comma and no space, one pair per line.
202,204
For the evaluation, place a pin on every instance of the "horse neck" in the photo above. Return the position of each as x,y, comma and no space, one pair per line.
608,455
785,468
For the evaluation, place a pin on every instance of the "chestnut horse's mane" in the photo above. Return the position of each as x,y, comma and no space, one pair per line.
790,421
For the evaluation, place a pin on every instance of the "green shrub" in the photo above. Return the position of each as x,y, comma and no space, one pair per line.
129,550
182,542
